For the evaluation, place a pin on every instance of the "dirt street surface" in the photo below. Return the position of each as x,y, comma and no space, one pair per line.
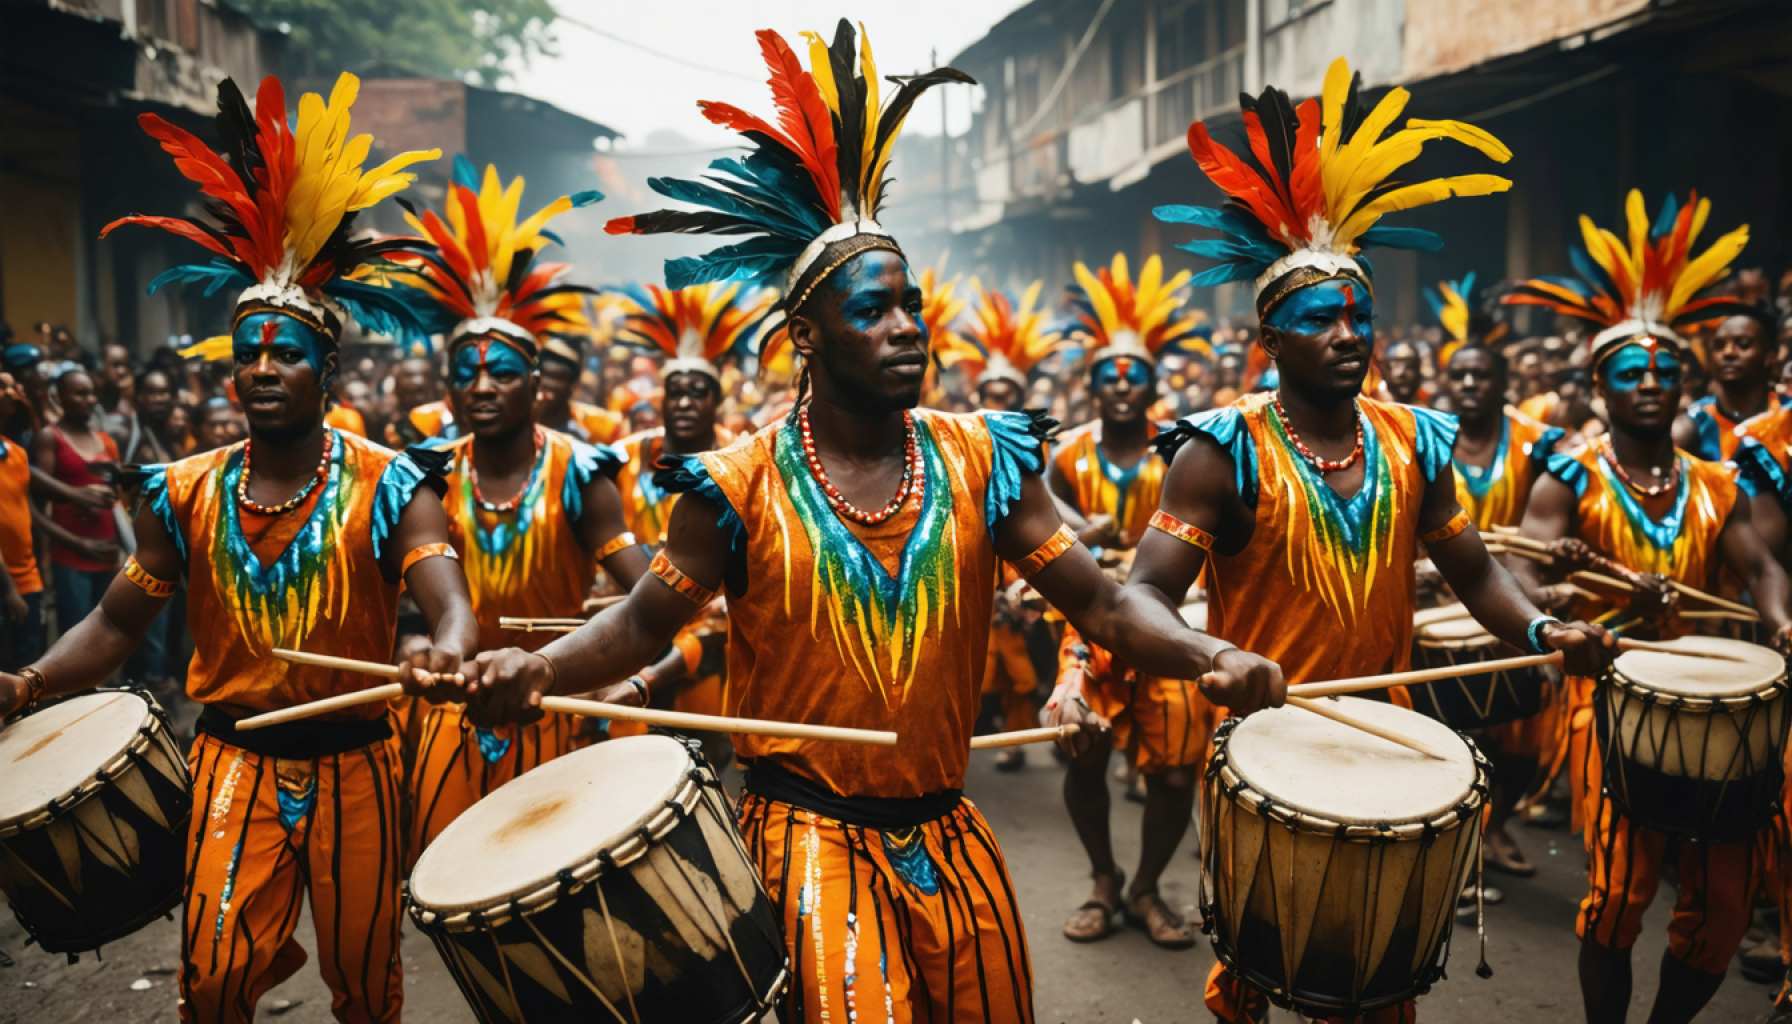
1530,944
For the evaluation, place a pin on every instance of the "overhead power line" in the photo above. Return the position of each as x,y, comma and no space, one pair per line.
651,52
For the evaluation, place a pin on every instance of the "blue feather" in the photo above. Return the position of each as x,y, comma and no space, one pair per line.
1222,273
1401,238
465,174
1664,221
1434,301
761,260
390,311
586,198
214,276
1574,285
1466,287
758,215
1592,274
550,236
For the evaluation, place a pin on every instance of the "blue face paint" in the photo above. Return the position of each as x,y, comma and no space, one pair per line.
285,339
502,361
1625,369
1313,309
1107,372
866,295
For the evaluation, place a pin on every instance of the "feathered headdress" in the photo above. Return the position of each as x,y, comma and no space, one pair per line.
280,206
1463,316
1124,318
1646,285
1316,184
808,194
483,278
694,326
1006,339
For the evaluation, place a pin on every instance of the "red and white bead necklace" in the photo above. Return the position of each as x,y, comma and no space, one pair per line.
914,474
1313,459
250,504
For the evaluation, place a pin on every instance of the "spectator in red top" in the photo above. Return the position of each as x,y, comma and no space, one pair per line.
84,549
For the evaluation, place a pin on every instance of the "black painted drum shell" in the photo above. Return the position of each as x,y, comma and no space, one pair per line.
1468,703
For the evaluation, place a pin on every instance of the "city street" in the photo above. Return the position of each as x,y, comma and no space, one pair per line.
1530,945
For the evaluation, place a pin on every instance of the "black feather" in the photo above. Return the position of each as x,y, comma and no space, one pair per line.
1354,113
695,222
908,90
520,263
236,126
849,127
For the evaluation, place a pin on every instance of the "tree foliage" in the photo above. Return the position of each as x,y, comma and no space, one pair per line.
479,40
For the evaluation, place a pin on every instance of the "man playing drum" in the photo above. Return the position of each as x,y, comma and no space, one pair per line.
1635,500
299,534
1500,453
1107,473
858,541
1308,505
532,510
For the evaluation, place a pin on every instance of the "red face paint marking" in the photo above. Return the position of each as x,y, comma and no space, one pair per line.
1123,366
270,329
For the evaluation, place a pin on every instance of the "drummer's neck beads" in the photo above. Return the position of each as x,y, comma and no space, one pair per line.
1323,466
250,504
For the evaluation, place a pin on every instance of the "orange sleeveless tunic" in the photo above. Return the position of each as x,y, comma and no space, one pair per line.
883,627
646,506
1324,586
1102,488
1718,434
526,561
310,579
1497,495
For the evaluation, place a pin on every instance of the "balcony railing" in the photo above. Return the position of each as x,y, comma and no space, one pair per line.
1193,93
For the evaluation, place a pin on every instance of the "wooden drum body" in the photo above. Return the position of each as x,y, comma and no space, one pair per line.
94,807
1693,746
1333,859
1447,636
608,884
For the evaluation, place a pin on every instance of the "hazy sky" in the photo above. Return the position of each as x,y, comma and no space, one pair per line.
636,92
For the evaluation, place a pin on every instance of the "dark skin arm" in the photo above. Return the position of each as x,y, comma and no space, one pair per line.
1092,531
1491,594
601,522
439,587
45,486
1768,517
1551,516
1748,555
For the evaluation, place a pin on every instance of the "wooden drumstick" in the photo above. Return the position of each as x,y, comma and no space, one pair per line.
1022,737
564,705
1712,599
1360,684
1324,710
539,625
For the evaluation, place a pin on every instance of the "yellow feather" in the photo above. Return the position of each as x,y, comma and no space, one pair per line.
531,228
1637,217
868,162
1103,303
213,349
822,71
1342,167
1418,194
1151,277
1596,250
1478,139
1699,215
1710,265
1400,149
1332,97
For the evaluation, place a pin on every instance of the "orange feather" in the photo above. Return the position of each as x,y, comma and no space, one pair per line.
804,115
174,226
1236,178
477,249
1305,186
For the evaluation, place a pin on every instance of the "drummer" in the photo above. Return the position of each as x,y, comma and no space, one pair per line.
695,328
1636,500
299,535
1307,505
1109,475
848,536
1499,454
532,510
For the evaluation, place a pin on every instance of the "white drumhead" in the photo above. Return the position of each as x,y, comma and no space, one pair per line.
52,753
1754,667
1316,765
557,816
1460,632
1195,614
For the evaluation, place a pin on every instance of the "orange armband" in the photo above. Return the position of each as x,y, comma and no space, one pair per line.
1458,523
669,574
422,551
625,539
157,588
1060,541
1188,533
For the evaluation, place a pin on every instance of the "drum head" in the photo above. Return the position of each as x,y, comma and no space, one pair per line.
1195,614
1450,626
1754,668
555,817
50,754
1331,771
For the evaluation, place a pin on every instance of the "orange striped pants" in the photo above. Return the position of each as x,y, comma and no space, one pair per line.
1009,676
1160,723
268,833
457,765
918,924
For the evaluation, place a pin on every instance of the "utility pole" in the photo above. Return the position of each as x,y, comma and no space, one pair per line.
933,60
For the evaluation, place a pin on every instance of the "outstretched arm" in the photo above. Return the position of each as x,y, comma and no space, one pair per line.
508,685
1489,591
87,655
603,531
417,553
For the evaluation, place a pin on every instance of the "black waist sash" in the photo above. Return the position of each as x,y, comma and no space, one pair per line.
775,782
301,740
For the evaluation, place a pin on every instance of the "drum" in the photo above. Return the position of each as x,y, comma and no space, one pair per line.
607,884
1333,858
94,806
1692,746
1447,636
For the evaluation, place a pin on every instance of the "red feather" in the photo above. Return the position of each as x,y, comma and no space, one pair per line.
805,117
196,161
275,142
469,212
450,249
539,276
174,226
620,226
1259,143
1235,178
1304,183
736,119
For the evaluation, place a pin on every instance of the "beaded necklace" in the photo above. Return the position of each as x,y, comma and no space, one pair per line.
1611,458
514,500
1313,459
913,473
251,505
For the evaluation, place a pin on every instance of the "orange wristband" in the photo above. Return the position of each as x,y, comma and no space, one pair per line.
1458,523
669,574
1060,541
422,551
1188,533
